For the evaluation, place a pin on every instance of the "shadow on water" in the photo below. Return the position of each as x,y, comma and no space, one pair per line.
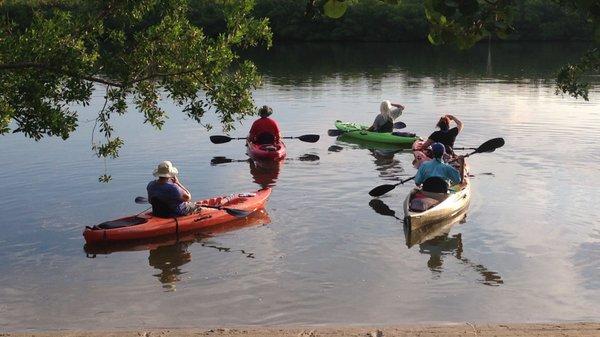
169,253
435,240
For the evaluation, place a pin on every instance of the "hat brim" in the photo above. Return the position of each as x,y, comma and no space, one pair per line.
171,174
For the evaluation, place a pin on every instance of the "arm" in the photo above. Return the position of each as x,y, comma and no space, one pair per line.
459,124
185,193
419,177
427,144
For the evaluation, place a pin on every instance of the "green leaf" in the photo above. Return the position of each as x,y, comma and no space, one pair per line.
335,9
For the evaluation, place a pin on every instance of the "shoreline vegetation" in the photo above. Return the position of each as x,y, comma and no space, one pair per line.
379,21
364,21
450,330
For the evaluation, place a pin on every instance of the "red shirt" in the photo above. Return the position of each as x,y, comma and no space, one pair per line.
264,125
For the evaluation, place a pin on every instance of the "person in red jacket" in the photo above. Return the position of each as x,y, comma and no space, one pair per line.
264,130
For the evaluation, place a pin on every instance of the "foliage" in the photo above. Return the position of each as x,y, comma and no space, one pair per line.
53,55
462,23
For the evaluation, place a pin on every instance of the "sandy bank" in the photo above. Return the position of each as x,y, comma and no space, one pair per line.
454,330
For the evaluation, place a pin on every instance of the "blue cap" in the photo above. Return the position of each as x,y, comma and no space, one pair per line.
438,150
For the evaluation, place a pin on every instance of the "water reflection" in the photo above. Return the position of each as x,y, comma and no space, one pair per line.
385,162
265,172
168,254
435,240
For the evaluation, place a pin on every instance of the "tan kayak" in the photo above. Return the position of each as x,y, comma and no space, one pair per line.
456,201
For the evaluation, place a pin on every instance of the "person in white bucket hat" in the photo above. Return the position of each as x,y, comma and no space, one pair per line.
167,195
388,112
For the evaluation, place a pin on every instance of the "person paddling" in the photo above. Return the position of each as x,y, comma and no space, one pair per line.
264,130
445,134
388,112
169,198
435,175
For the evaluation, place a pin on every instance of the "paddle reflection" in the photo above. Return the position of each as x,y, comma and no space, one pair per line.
168,254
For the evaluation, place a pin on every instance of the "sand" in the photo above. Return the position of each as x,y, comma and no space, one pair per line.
452,330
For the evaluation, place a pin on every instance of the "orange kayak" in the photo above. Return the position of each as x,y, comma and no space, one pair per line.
145,226
260,217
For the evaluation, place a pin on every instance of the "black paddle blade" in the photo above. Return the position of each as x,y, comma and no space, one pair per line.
220,160
238,213
220,139
334,132
141,200
381,190
490,145
381,208
399,125
309,138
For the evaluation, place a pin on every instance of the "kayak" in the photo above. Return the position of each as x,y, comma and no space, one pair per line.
455,201
260,217
358,131
348,140
266,151
145,226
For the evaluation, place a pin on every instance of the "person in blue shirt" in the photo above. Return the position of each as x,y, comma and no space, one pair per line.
435,175
169,198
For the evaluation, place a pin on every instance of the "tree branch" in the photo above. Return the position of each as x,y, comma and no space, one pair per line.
33,65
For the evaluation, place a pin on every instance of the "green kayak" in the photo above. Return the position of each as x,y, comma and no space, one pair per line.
358,131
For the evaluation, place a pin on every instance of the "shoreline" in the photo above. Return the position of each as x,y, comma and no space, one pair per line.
581,329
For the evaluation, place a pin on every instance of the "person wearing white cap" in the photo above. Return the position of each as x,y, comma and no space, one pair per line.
388,112
167,195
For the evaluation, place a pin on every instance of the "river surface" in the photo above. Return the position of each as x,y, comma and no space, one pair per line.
527,251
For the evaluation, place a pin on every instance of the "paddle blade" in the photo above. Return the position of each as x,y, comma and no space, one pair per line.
490,145
141,200
309,138
220,139
238,213
334,132
399,125
381,190
220,160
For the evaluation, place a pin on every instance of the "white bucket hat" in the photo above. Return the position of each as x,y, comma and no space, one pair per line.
165,170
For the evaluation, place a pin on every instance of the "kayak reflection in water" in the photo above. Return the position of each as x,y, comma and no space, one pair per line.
168,259
264,130
388,112
265,172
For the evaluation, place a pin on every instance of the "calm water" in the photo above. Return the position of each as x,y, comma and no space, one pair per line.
527,251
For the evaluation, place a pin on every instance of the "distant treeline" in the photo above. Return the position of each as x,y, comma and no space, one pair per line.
375,20
365,20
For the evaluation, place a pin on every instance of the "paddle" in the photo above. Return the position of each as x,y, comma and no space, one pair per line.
218,139
224,160
238,213
488,146
336,132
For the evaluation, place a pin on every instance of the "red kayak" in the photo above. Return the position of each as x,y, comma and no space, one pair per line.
266,151
144,226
